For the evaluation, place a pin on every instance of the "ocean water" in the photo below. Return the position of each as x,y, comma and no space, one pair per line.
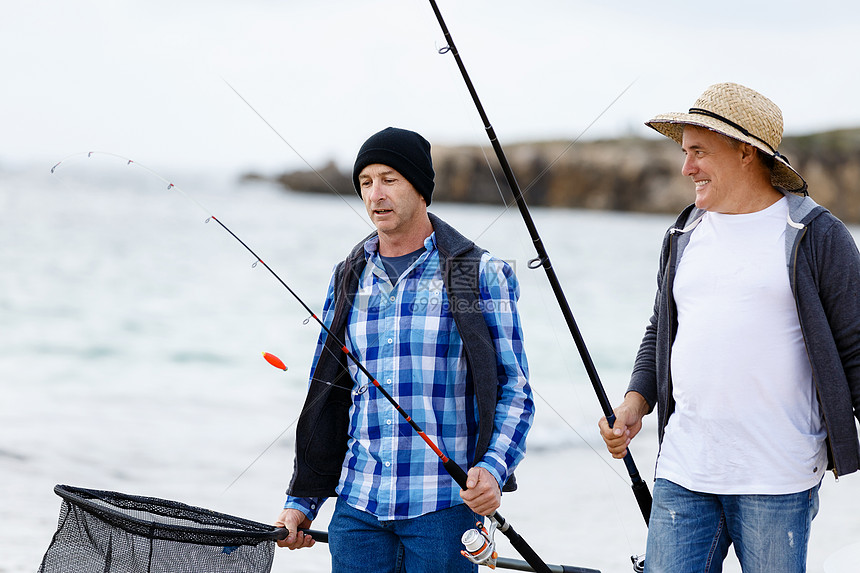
131,334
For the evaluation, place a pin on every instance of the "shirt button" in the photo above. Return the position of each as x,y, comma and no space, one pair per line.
387,464
392,299
390,340
388,381
389,423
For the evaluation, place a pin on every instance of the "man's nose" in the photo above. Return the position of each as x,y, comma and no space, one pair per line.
689,166
377,192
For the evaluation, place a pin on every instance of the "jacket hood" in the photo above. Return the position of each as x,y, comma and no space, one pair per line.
801,211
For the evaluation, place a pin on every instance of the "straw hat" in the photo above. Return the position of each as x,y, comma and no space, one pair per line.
740,113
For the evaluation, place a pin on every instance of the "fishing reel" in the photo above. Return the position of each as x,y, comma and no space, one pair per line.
480,548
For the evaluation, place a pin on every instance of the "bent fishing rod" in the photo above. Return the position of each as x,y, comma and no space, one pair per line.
454,470
640,488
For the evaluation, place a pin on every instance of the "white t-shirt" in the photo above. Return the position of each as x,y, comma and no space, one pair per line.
746,418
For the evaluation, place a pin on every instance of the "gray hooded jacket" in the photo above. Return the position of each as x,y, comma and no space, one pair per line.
823,266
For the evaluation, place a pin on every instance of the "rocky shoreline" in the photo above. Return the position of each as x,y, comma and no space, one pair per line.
628,174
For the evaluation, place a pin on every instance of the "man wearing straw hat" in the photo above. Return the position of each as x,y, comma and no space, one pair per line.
752,354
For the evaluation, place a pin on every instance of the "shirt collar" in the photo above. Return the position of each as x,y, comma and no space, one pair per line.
371,246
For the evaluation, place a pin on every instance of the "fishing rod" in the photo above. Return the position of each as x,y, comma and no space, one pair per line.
500,562
640,488
453,469
480,546
451,466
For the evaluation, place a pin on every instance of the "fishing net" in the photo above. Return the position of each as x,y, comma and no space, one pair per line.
105,531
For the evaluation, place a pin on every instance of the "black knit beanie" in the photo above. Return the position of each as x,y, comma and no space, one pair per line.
403,150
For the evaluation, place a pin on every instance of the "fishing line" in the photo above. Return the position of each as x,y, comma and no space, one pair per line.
578,137
362,388
498,188
210,217
581,437
534,181
448,48
282,138
170,186
260,455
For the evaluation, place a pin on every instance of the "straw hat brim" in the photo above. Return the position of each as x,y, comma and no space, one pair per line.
672,126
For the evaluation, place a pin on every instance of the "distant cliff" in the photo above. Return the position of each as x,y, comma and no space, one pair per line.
630,174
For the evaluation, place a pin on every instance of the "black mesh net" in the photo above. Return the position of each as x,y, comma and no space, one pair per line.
105,531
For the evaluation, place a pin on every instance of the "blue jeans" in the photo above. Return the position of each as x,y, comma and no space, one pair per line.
691,532
430,543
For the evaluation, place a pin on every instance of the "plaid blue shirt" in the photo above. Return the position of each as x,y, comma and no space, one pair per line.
405,335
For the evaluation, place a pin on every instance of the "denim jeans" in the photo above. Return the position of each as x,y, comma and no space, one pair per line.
430,543
692,532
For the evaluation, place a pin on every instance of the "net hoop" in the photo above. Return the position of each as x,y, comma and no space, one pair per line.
156,518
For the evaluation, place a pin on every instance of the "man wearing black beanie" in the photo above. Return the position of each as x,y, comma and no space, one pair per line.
434,318
403,150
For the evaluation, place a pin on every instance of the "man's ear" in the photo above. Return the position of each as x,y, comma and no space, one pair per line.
748,153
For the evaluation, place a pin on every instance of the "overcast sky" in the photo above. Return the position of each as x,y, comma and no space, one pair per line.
147,79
